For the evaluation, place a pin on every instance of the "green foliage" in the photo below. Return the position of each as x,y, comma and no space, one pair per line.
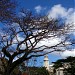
3,65
22,67
16,71
34,70
39,71
42,71
71,69
58,64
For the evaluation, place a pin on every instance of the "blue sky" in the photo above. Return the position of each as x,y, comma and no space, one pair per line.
30,4
56,8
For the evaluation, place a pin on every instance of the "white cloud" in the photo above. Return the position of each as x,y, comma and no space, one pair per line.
39,8
58,11
67,15
67,53
18,38
20,14
49,42
71,18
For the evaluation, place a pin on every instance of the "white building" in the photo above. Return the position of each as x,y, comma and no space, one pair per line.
50,68
46,62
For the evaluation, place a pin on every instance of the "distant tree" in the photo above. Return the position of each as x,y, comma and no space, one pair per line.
42,71
38,71
70,66
23,67
71,69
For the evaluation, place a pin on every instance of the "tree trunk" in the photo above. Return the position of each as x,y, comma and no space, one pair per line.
7,70
6,73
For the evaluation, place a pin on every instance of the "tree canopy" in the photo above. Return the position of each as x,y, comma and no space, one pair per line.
70,65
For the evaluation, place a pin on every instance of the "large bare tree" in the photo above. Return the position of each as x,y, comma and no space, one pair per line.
21,39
